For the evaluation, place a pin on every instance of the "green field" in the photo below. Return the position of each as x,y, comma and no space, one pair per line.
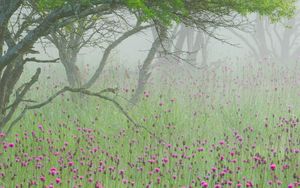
236,126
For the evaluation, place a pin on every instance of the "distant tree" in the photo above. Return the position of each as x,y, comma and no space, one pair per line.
279,41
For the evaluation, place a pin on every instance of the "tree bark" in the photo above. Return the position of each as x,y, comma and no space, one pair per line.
8,80
68,60
144,73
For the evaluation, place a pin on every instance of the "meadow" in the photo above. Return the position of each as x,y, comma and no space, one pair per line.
233,126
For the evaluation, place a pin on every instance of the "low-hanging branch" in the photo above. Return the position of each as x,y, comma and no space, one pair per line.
20,93
33,59
89,93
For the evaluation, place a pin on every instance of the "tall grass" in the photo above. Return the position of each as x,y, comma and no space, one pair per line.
235,126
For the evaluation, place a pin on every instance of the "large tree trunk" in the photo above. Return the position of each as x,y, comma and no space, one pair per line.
144,73
72,71
68,58
8,81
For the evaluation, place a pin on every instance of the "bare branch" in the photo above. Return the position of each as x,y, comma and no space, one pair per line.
33,59
108,51
89,93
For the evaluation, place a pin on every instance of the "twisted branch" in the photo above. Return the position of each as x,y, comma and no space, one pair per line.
89,93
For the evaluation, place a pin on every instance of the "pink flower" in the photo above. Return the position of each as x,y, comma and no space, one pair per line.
124,181
290,185
121,172
151,161
273,166
284,167
165,160
222,142
42,178
58,180
33,182
158,180
99,185
71,163
2,134
214,169
221,158
40,127
11,145
53,171
157,170
5,146
204,184
249,184
279,182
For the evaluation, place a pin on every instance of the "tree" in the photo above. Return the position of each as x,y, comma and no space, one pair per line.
59,13
269,40
105,33
144,70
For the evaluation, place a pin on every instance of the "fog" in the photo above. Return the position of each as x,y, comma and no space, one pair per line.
134,50
110,101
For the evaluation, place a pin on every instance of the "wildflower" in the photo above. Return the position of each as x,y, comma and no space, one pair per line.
221,158
11,145
165,160
204,184
214,169
43,178
157,170
40,126
2,134
249,184
58,180
273,166
71,163
121,172
53,171
99,185
158,180
279,182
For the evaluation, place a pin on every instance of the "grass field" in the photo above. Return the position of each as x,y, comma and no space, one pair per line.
236,126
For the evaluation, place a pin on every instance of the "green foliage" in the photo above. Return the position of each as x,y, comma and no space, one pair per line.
275,9
168,11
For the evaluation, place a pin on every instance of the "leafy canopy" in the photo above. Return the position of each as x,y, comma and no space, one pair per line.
168,11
